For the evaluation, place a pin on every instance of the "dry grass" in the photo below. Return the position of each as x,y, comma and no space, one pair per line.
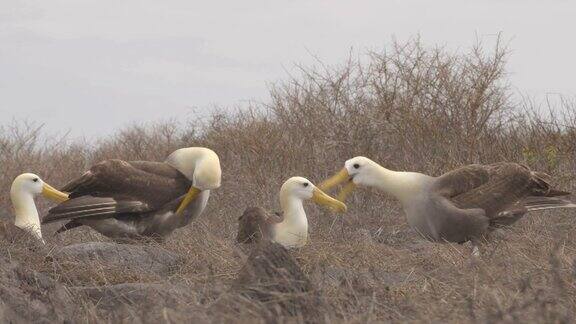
410,108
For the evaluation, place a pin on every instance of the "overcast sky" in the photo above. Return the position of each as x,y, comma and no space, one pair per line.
91,66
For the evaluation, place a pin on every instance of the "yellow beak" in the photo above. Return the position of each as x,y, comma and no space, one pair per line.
49,192
191,195
335,180
321,198
346,190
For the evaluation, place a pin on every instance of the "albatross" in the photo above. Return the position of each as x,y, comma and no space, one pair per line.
127,200
460,205
24,189
289,228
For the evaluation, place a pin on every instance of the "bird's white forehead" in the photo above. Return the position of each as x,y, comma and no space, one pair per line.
358,159
297,179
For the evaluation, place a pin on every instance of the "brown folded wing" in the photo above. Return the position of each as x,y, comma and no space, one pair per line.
115,187
493,188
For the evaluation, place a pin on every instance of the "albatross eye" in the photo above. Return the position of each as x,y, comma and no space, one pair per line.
35,179
356,166
305,184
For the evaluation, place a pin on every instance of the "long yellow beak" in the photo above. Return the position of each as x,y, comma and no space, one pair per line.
335,180
321,198
346,190
191,195
53,194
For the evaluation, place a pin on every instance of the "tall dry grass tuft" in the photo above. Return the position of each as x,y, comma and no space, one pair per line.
410,108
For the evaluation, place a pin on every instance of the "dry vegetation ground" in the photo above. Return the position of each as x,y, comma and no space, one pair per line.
410,108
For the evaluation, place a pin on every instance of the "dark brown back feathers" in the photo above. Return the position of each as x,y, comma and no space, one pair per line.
255,225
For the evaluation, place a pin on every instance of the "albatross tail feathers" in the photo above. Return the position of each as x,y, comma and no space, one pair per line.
541,203
68,226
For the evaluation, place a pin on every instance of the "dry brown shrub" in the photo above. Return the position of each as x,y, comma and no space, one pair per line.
410,108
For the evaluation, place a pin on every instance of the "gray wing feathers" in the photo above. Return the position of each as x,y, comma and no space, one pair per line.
88,206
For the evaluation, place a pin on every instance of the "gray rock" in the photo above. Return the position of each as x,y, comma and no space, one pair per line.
139,258
28,296
272,277
362,279
143,294
144,303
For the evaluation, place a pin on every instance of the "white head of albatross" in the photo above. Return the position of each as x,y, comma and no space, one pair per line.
361,171
24,188
201,166
293,230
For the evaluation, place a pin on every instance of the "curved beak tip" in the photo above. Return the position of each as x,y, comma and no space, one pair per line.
341,209
190,196
323,199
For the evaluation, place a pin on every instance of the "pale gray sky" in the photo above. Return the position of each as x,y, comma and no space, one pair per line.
91,66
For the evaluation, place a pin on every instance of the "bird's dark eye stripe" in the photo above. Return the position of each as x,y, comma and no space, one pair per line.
305,184
35,179
356,165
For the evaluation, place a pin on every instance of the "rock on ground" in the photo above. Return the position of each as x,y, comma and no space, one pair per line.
145,303
137,258
143,294
273,278
359,279
28,296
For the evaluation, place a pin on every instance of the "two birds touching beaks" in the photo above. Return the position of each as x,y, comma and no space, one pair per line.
127,200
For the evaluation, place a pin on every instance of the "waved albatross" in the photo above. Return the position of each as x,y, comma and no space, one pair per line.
460,205
22,192
128,200
289,228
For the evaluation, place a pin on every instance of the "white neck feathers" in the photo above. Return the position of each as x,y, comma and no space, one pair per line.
26,214
293,230
292,207
402,185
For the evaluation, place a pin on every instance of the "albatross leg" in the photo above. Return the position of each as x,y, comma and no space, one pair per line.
475,244
475,251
